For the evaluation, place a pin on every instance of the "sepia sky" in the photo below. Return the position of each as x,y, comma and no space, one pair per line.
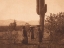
25,10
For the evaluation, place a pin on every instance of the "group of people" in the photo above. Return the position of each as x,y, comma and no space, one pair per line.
28,29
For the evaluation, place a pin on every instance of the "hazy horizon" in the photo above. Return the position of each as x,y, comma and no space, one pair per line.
7,22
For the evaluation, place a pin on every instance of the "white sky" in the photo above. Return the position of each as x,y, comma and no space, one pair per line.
25,10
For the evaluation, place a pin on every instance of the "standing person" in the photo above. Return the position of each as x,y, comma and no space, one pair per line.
26,30
40,34
25,41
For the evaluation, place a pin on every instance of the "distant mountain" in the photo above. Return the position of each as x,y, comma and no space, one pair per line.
33,22
7,22
20,22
